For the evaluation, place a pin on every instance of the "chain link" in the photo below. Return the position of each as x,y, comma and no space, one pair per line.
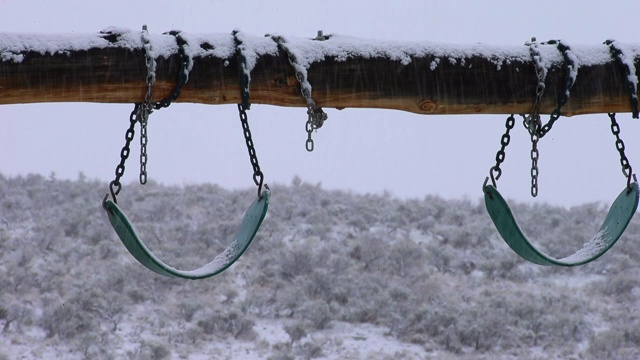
500,155
544,129
147,107
143,150
533,120
150,61
187,64
145,110
316,116
309,128
570,66
627,171
258,177
628,70
141,111
535,155
115,186
243,71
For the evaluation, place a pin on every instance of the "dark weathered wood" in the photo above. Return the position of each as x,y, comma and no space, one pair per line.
476,86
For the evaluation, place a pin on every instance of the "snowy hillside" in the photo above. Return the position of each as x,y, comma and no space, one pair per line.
331,275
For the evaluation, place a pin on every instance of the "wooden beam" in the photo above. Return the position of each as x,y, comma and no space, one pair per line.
424,78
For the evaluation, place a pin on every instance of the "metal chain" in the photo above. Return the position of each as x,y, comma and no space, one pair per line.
150,62
570,66
316,116
535,155
183,76
147,106
624,161
500,155
628,70
142,110
258,177
533,120
143,149
309,127
115,186
244,72
145,110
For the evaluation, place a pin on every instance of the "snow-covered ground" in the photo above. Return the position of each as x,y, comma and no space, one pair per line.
331,275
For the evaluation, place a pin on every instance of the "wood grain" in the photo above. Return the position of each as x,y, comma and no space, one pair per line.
473,86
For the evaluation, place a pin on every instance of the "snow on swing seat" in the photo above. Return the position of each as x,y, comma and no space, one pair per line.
619,216
241,241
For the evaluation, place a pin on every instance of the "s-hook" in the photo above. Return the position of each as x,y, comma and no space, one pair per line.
616,221
252,219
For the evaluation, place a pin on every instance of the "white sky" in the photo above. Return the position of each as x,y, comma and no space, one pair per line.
361,150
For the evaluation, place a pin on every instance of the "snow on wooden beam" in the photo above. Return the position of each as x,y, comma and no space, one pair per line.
420,77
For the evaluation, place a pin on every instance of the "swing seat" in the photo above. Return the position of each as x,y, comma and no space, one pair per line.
242,239
619,216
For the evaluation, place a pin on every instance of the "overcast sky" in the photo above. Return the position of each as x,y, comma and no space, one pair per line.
407,154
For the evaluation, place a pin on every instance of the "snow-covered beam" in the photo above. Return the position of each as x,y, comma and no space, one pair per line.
344,72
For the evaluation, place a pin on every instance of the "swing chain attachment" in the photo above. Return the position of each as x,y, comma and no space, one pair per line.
570,67
187,64
495,172
627,170
628,71
245,80
532,121
147,106
316,116
115,186
150,62
142,110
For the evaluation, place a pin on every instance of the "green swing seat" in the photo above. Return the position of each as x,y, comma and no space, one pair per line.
242,239
252,218
619,216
